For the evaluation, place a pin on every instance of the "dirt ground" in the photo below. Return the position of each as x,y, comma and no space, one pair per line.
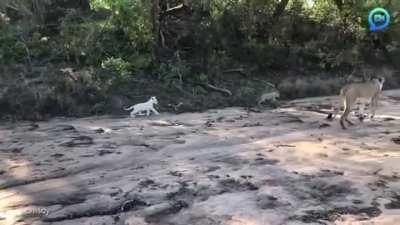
222,167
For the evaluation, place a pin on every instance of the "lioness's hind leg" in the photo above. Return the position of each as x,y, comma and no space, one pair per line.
342,125
347,108
155,111
344,118
349,122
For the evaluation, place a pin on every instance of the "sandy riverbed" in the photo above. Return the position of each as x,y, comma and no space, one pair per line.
221,167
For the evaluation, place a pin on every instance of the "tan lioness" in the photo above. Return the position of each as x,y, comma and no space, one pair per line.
350,93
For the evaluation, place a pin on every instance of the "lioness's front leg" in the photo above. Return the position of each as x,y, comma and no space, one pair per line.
155,111
374,105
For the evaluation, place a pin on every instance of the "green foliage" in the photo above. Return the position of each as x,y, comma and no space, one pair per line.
12,47
133,18
171,72
121,67
325,11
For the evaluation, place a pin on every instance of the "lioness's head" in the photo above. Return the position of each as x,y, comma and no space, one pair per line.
380,81
154,100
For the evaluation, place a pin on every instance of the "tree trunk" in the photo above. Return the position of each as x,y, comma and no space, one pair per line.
156,29
279,9
84,5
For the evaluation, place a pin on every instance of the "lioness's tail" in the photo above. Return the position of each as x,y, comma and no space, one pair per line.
130,108
332,116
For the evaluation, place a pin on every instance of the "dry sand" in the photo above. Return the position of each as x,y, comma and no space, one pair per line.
226,167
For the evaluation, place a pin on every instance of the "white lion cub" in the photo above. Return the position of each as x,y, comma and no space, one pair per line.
141,107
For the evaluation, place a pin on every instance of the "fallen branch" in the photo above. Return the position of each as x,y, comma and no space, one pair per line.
180,6
176,10
265,82
223,90
214,88
237,70
162,38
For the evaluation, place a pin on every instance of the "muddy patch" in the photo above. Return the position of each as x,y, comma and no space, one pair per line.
266,201
394,203
80,141
320,216
235,185
396,140
159,213
264,161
